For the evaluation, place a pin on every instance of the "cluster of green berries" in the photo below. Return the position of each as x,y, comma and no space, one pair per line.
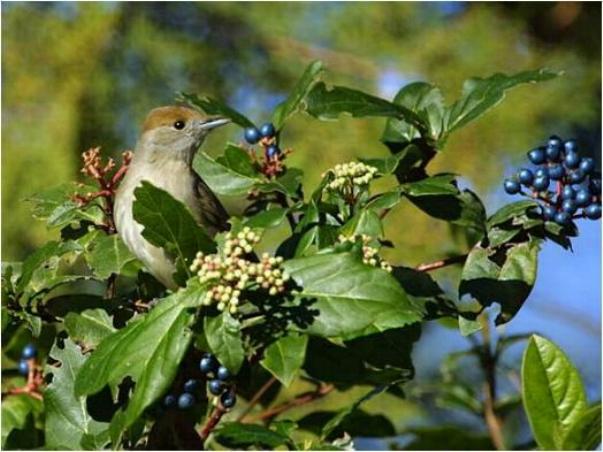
350,175
265,135
217,385
577,185
28,353
369,253
233,272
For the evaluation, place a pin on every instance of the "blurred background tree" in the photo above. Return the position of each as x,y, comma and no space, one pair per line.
77,75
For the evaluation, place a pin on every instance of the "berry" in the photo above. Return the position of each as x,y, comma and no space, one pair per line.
29,351
556,172
583,197
512,187
216,387
207,364
577,176
272,151
252,135
568,193
553,149
267,130
548,212
169,401
572,160
587,165
593,211
525,176
228,399
570,146
186,401
595,186
541,183
23,367
537,156
191,386
541,172
569,206
223,373
562,218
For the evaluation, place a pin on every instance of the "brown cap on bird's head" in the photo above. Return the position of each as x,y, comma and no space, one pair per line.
178,117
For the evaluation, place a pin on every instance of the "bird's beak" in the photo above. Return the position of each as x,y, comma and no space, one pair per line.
212,123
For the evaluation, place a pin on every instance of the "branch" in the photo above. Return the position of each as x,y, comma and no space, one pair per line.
256,398
442,263
212,421
302,399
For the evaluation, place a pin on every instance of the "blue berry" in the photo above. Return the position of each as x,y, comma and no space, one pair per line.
541,183
593,211
23,367
587,165
228,399
208,364
583,197
570,146
252,135
223,373
29,351
191,386
537,156
525,176
562,218
556,172
568,192
512,187
595,186
541,172
553,149
169,401
186,401
272,151
570,206
267,130
216,387
548,212
572,160
577,176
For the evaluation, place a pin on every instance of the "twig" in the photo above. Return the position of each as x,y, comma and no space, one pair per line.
212,421
34,381
256,398
302,399
442,263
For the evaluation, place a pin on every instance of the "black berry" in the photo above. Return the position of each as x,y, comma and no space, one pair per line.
572,160
556,172
512,187
593,211
583,197
577,176
525,176
267,130
223,373
569,206
169,401
191,386
562,218
228,399
23,367
186,401
29,351
549,213
537,156
215,387
208,364
252,135
272,151
541,183
587,165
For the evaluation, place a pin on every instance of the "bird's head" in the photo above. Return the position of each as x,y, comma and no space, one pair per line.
176,132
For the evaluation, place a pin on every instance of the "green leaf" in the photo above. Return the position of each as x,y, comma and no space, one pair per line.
294,102
481,94
351,299
67,419
284,357
508,284
447,438
511,211
385,166
213,106
223,335
222,179
109,255
89,327
440,184
426,101
324,103
366,221
585,432
239,160
17,411
242,436
553,394
265,219
169,224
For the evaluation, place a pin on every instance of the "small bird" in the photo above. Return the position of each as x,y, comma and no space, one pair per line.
163,156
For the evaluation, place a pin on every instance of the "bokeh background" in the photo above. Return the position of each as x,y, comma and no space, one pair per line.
76,75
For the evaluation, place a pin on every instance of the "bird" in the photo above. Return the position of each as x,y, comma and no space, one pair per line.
170,137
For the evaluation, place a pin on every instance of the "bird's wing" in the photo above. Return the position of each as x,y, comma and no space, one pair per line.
212,213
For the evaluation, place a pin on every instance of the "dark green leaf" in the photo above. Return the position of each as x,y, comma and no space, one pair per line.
89,327
585,432
267,218
440,184
284,357
385,166
385,200
366,222
223,335
447,438
67,419
109,255
239,160
17,411
288,183
553,394
238,436
510,211
294,102
213,106
352,299
221,179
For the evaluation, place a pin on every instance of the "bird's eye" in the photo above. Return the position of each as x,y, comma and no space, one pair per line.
179,125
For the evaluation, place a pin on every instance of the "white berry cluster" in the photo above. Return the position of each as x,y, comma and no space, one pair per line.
231,273
369,253
351,174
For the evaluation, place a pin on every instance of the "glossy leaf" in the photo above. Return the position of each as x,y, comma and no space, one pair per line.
285,357
265,219
213,106
242,436
89,327
440,184
223,335
511,211
109,255
585,432
553,393
239,160
220,178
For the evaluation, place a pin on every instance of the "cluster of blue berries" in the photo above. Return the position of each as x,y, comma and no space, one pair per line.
266,136
576,184
218,377
28,353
